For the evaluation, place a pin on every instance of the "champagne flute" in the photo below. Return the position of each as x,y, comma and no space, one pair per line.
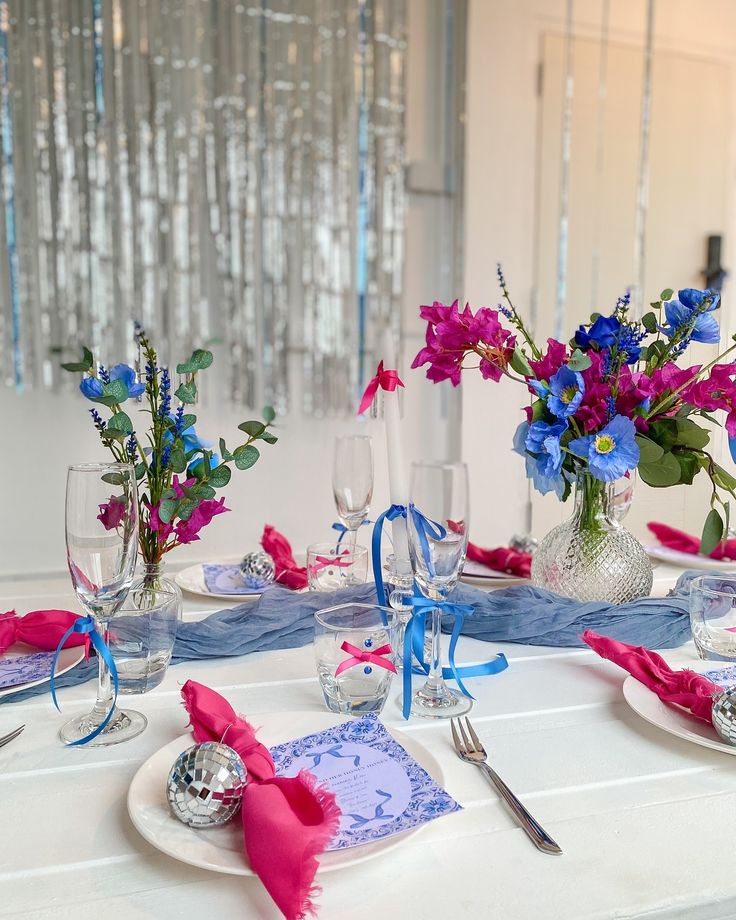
101,548
352,482
438,495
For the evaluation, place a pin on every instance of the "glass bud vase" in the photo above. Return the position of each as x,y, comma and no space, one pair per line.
143,631
591,556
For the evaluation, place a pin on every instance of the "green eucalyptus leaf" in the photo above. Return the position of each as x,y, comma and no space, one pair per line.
268,437
661,474
579,361
520,363
649,451
186,368
690,434
177,460
120,422
269,414
224,452
115,479
723,479
666,294
166,510
202,359
116,390
712,532
112,434
220,476
202,490
649,322
140,471
187,392
689,466
664,432
245,456
74,367
538,410
186,508
187,420
253,428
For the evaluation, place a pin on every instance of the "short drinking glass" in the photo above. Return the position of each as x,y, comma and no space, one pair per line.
354,648
713,616
329,567
142,634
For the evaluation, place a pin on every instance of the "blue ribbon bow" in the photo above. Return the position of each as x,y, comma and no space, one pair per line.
424,528
414,644
87,625
342,530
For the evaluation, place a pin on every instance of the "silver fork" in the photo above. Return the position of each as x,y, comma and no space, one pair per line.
472,751
11,736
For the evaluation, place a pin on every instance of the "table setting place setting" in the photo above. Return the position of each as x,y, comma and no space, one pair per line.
383,595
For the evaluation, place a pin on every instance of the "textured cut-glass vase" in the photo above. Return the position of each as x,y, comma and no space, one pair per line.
591,556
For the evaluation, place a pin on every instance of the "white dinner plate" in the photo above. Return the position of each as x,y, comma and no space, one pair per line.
221,848
68,659
474,572
689,560
192,580
674,719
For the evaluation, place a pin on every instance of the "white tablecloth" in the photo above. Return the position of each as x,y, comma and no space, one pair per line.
645,820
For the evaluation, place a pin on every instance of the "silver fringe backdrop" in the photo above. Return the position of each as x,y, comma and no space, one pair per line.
222,171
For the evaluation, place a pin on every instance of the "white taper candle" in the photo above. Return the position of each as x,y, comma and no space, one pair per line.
398,483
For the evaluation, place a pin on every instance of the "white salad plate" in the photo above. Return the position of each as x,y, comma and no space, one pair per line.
689,560
68,659
221,849
674,719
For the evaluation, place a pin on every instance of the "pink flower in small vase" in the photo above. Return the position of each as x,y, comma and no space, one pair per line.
551,362
112,513
187,531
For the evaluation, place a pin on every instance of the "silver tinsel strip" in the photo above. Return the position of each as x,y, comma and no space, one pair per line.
228,173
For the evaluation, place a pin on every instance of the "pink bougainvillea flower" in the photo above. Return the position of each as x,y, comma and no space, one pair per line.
717,391
188,531
112,513
451,334
550,362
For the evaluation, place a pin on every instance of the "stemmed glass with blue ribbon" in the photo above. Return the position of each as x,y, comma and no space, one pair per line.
352,482
438,540
101,546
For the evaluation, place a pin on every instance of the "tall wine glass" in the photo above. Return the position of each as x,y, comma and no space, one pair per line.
439,492
352,481
101,548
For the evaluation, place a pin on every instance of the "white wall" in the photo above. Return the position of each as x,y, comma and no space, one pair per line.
505,43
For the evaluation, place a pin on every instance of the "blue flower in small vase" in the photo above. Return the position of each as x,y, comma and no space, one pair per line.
126,373
603,333
543,484
543,440
610,453
91,387
567,389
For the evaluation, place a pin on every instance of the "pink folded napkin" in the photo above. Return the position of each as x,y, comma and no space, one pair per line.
288,573
684,688
287,821
40,629
678,540
503,559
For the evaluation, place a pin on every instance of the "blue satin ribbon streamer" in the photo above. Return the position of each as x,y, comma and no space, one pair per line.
87,625
414,645
342,530
426,529
390,514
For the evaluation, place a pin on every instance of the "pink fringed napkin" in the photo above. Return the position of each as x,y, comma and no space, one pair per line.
40,629
503,559
288,573
287,821
678,540
685,688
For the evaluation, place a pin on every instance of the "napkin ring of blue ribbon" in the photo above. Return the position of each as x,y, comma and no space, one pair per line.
86,625
414,646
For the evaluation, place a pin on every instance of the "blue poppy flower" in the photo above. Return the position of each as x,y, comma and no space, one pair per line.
539,387
566,392
610,453
91,387
126,373
543,484
543,440
603,333
680,312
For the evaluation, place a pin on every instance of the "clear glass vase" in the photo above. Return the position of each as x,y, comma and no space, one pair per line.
591,556
143,631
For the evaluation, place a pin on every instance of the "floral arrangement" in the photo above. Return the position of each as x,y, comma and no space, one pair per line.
177,473
611,400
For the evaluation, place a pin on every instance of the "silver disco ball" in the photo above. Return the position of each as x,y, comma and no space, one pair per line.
257,569
724,714
205,785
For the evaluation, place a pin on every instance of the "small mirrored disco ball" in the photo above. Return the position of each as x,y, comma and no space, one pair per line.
205,786
523,543
724,714
257,569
